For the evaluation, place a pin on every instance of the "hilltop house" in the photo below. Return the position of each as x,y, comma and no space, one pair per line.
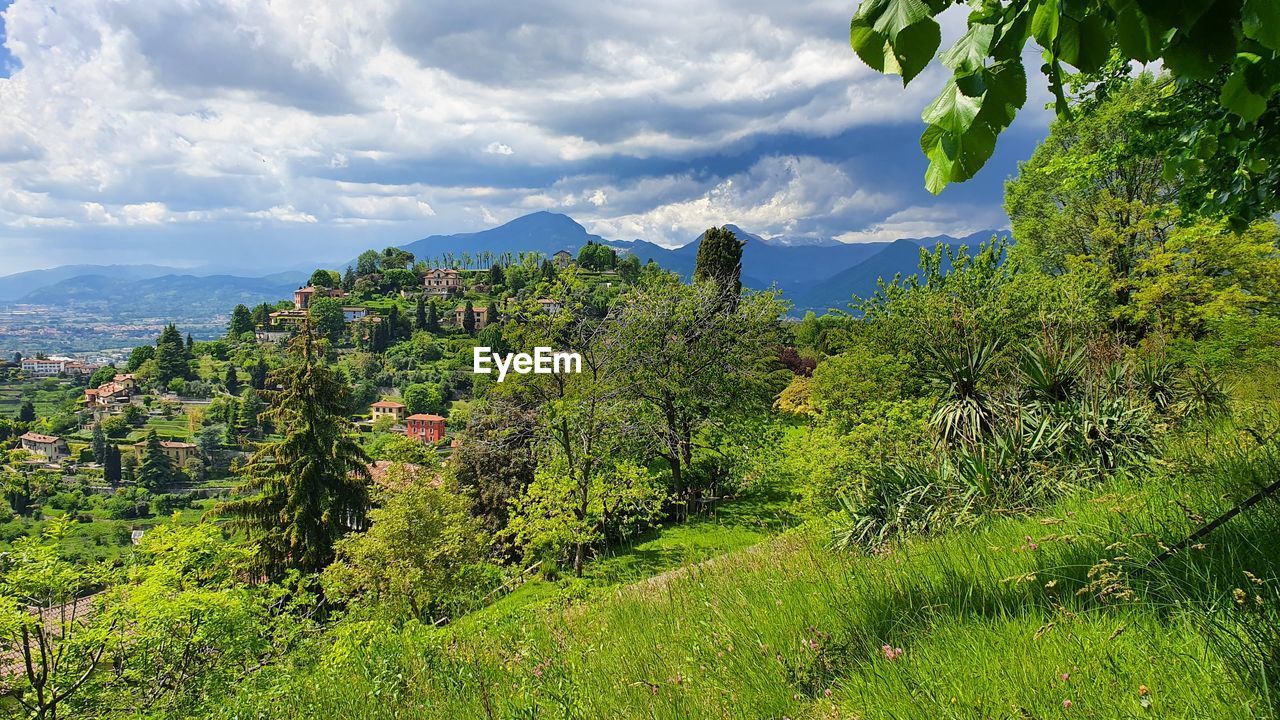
425,428
549,306
354,314
561,259
177,452
50,446
442,281
302,296
290,317
385,408
481,315
111,394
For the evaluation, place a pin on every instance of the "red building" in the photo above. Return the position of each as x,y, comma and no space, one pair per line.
424,428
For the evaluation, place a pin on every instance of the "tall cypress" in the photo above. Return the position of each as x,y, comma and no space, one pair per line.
469,319
720,260
155,469
420,314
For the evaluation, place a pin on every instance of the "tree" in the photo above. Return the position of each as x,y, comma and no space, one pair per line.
692,365
394,258
495,458
720,261
306,490
58,649
26,412
155,469
322,278
367,263
349,279
248,411
241,322
98,444
258,374
191,344
432,324
171,356
491,314
102,376
496,276
326,315
209,440
423,398
629,268
469,319
420,314
415,555
139,355
262,315
1222,56
231,380
393,324
112,472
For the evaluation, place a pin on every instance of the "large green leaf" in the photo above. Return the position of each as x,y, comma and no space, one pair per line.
1199,51
870,45
898,15
971,50
955,157
952,110
915,48
1090,43
1044,24
1238,98
1262,22
1141,37
1175,13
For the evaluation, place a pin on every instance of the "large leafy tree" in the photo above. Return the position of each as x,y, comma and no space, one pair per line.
306,490
241,322
326,315
1222,56
171,356
720,260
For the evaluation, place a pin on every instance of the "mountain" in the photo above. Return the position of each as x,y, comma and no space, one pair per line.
901,257
15,286
544,232
182,296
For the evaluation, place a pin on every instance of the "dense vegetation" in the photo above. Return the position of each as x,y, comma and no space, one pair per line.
1031,480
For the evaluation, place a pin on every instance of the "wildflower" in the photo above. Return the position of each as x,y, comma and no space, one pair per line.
826,693
890,652
1143,691
1066,704
1066,677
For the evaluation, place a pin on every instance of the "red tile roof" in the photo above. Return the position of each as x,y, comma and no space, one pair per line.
42,439
387,404
421,416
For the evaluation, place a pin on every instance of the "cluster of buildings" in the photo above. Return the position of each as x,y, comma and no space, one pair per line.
55,366
112,395
421,426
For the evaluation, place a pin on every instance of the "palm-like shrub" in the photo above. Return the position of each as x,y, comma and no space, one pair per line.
959,372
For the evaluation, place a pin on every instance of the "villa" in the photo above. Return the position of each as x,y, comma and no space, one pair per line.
442,281
425,428
177,452
50,446
388,408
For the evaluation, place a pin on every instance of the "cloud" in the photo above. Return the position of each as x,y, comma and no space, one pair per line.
650,118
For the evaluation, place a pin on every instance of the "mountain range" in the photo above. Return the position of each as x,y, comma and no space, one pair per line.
812,274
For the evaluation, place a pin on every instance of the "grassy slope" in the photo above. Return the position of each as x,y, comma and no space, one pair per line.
990,619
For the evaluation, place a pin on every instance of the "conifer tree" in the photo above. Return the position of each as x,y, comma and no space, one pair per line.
420,314
111,467
99,444
720,260
155,469
433,320
231,380
241,322
306,490
171,356
469,319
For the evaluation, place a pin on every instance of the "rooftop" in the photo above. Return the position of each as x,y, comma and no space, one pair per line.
388,404
42,439
423,416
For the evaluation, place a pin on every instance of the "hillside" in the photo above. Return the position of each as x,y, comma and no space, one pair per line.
13,287
185,296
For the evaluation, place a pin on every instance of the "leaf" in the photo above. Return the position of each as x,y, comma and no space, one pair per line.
1262,22
1139,36
1044,24
915,48
1095,44
970,51
1199,51
870,45
1239,99
952,110
1175,13
955,157
898,15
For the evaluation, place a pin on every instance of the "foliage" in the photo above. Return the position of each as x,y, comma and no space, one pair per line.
423,398
415,558
1222,54
155,468
720,260
326,315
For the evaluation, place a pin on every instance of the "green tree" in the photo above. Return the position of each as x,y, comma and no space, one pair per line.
306,490
420,313
154,469
423,398
241,322
98,443
394,258
112,472
326,315
102,375
26,412
349,279
432,324
171,357
416,554
324,279
231,380
1223,54
140,355
469,319
248,411
258,374
720,261
496,276
262,315
367,263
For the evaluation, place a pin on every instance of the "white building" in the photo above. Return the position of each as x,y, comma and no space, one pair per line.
44,367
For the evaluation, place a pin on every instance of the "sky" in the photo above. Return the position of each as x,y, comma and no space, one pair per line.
241,135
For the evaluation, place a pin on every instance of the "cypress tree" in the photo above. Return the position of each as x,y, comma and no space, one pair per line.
469,319
720,261
258,374
26,412
99,444
491,312
111,469
420,314
231,380
433,320
171,356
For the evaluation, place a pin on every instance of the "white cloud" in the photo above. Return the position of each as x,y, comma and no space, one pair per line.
497,148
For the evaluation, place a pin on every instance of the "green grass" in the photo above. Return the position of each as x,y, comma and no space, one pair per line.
989,619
